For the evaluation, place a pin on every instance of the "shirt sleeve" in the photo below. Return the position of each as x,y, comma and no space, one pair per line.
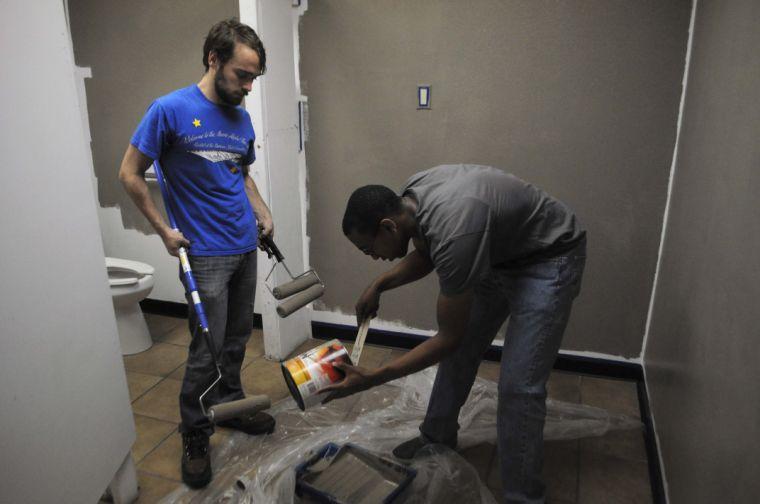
464,257
152,132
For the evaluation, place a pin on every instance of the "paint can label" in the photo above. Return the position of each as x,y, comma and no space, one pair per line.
311,371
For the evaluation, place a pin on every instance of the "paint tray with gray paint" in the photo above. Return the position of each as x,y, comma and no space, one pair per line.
349,474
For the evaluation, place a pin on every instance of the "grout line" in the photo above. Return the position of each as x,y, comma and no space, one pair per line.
154,475
160,379
171,433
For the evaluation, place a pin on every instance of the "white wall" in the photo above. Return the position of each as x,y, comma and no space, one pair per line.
64,406
278,170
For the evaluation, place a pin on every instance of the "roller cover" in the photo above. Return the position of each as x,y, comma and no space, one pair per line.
300,300
297,285
234,409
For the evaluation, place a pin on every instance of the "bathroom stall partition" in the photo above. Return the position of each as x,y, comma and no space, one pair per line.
65,421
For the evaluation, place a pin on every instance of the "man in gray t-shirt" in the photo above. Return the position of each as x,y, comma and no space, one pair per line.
501,248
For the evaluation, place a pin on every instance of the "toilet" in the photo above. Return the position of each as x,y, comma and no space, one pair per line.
131,282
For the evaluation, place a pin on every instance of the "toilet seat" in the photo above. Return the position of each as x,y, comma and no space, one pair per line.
126,272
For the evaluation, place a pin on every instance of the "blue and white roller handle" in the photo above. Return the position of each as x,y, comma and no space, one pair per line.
183,260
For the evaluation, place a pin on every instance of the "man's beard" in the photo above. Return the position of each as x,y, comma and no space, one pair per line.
229,98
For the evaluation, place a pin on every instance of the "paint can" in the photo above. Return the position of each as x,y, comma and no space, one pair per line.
311,371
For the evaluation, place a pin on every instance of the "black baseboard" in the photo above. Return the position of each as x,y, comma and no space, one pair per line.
592,366
167,308
179,310
571,363
650,441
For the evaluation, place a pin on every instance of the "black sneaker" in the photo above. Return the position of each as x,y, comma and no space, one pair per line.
196,462
258,423
408,449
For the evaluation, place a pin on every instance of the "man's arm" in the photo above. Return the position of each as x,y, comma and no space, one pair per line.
453,317
132,176
411,268
263,215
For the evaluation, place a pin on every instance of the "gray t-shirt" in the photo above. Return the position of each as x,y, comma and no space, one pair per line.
474,218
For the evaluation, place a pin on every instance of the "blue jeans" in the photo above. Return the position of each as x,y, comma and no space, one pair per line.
227,286
538,299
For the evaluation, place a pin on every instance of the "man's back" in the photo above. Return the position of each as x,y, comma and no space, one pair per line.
480,217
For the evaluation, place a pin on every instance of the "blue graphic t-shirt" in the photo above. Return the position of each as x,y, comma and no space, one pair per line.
202,148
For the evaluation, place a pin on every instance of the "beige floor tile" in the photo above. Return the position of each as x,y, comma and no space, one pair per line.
626,444
395,354
179,373
481,457
165,460
179,335
561,470
611,479
489,370
159,360
158,325
150,433
560,473
305,346
139,383
153,488
564,387
263,376
255,346
616,396
372,355
161,402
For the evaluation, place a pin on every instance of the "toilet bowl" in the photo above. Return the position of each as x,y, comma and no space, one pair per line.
130,282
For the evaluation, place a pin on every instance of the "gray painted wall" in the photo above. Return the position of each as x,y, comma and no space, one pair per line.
138,51
704,342
578,98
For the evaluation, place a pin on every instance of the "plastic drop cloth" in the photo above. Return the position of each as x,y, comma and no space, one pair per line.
261,469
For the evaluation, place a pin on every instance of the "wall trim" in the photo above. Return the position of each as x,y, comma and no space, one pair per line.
594,366
654,450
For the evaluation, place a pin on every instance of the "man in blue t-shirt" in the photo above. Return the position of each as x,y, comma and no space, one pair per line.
204,142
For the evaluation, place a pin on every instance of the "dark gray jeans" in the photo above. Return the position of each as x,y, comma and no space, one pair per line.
227,286
538,299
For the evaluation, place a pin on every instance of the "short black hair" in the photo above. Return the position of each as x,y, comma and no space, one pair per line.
222,38
367,206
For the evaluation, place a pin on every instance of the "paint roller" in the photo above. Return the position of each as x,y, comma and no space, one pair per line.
223,411
300,290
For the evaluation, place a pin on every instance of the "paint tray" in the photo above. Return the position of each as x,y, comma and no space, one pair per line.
349,474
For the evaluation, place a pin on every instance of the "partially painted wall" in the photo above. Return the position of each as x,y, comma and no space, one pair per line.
138,51
702,349
578,98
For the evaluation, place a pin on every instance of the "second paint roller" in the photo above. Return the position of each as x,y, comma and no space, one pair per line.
300,290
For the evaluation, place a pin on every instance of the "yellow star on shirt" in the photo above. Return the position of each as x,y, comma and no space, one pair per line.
197,123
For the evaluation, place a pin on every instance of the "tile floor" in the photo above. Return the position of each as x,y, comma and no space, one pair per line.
608,469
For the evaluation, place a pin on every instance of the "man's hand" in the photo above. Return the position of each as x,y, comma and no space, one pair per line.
368,304
266,225
173,240
356,380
